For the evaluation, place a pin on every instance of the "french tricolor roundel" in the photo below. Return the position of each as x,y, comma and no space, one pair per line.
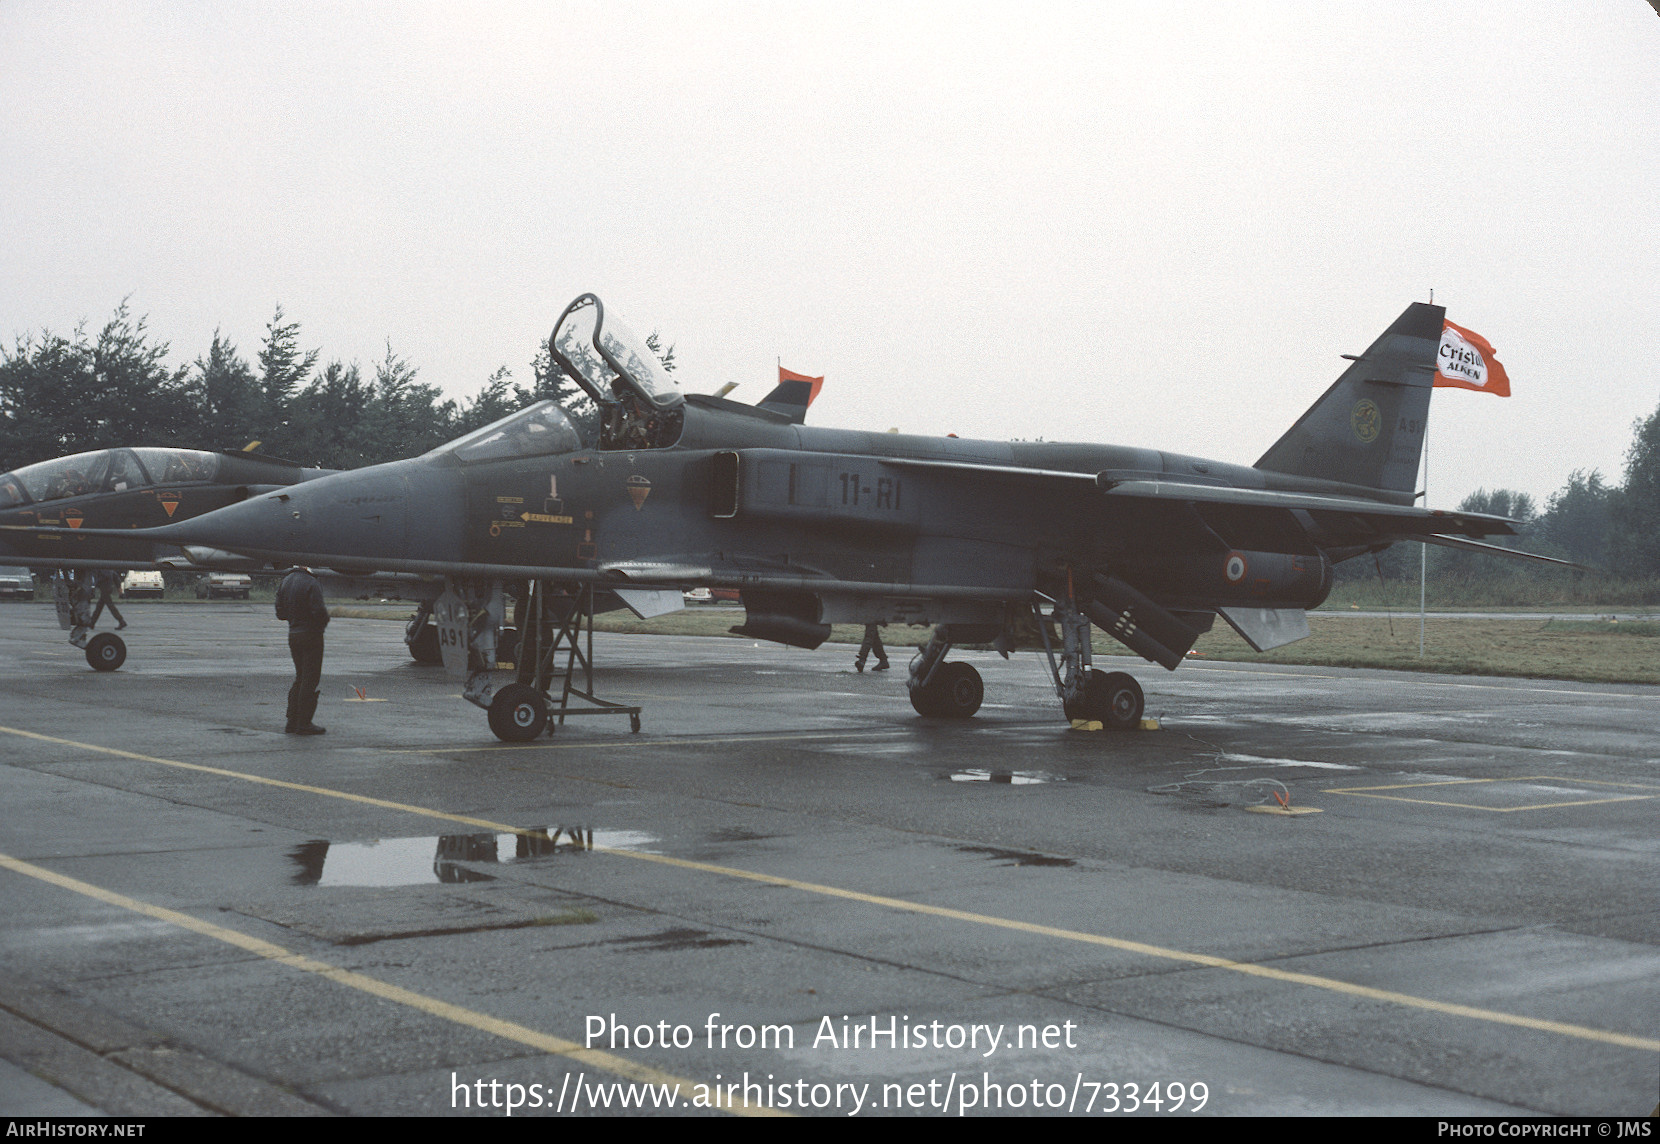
1235,567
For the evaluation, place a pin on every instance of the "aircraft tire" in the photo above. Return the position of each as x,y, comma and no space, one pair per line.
926,701
518,713
957,692
424,649
105,652
1116,699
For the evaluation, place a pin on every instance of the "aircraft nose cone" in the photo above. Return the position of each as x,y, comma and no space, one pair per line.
261,524
354,518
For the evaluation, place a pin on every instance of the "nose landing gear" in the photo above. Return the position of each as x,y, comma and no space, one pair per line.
941,690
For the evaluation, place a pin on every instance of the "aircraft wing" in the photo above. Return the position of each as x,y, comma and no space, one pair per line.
1371,519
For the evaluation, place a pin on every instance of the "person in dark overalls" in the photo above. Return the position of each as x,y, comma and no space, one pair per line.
106,581
872,644
300,602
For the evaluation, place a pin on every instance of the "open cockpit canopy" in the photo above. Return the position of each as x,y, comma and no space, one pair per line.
105,471
608,360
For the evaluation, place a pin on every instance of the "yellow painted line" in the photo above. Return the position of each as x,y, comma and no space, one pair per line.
1555,779
432,1006
1495,809
1330,984
1367,792
304,788
1212,665
1548,690
1433,680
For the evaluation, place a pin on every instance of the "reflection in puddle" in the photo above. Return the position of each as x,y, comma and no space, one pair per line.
1014,778
413,861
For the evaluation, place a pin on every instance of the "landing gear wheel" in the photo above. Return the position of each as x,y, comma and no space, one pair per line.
1119,699
106,652
424,649
1112,697
955,692
518,713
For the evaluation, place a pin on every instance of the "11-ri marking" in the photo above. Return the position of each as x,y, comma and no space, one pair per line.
887,491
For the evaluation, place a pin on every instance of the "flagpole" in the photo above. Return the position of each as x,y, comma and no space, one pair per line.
1423,549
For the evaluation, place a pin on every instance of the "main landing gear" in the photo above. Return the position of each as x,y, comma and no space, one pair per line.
1113,698
942,689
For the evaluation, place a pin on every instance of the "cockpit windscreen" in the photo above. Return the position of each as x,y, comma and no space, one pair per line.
542,429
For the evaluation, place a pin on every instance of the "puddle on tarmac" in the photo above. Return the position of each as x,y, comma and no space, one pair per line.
1013,778
1017,857
414,861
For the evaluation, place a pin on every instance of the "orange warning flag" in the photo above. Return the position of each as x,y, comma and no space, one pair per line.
814,384
1466,361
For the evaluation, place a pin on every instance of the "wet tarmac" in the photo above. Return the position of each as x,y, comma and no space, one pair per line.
1313,891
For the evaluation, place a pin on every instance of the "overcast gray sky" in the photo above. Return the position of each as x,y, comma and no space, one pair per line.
1154,224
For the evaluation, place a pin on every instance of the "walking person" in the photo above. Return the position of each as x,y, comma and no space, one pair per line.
873,643
105,581
300,602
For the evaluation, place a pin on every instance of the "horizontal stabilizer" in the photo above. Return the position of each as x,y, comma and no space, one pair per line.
1267,628
1498,550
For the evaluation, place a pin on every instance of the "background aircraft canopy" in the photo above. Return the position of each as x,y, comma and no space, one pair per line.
607,358
542,429
168,465
105,471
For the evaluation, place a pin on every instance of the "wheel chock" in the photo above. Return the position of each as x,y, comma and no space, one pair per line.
1097,725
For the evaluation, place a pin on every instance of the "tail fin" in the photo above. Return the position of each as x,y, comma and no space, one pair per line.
794,394
1368,428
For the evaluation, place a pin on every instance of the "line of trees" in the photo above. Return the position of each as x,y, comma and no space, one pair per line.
67,394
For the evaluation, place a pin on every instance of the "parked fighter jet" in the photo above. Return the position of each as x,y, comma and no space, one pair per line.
121,489
664,491
44,508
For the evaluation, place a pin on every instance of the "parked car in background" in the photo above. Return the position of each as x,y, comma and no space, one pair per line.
17,584
224,586
139,585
